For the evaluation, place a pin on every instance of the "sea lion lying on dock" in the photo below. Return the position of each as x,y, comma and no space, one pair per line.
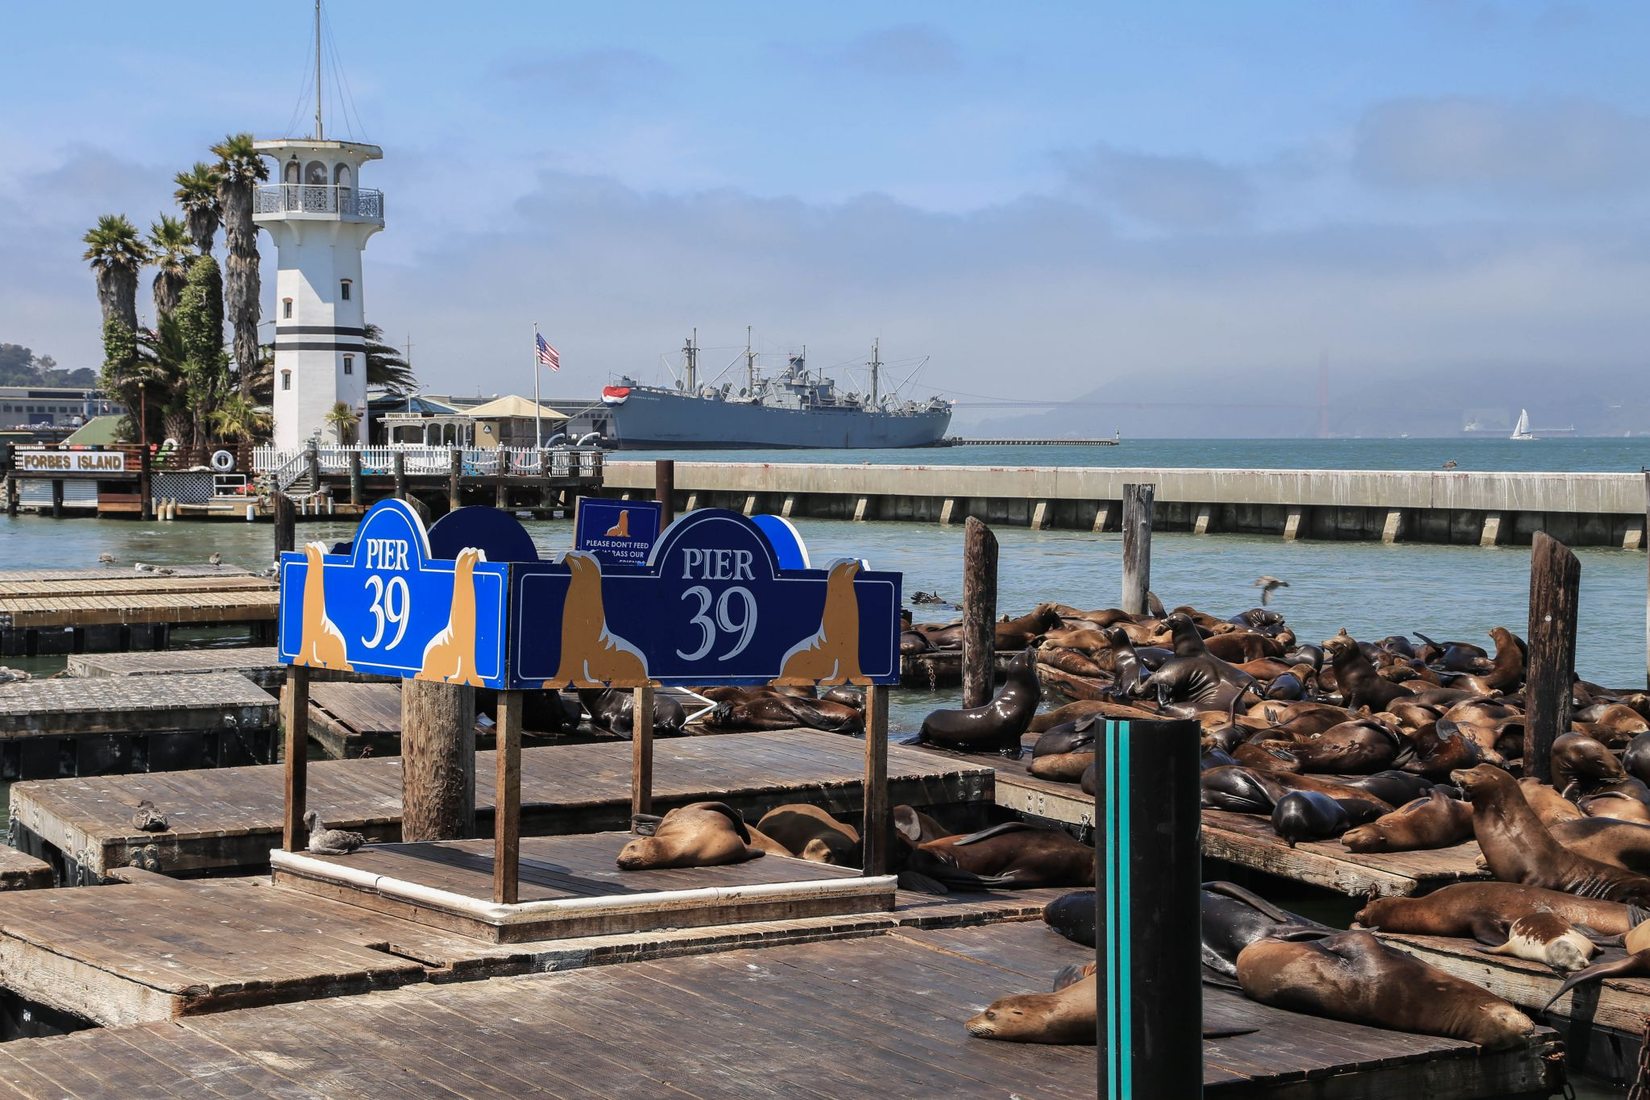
1486,910
1545,937
1013,856
1433,821
1068,1015
703,834
808,832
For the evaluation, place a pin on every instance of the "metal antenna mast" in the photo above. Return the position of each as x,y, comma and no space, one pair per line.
319,133
691,354
876,365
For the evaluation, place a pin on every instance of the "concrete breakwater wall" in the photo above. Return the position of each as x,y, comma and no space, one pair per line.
1449,506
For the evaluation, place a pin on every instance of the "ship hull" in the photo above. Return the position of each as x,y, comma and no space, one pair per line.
653,419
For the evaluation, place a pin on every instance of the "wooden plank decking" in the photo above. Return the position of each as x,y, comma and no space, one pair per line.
10,577
23,872
204,608
350,720
256,663
160,948
229,818
846,1018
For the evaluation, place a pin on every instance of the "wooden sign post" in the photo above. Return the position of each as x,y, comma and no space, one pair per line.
295,725
876,830
641,751
1137,546
507,801
1555,597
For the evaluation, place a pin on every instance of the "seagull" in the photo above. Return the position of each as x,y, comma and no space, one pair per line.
1449,464
215,560
1267,586
105,558
148,819
330,842
165,572
143,567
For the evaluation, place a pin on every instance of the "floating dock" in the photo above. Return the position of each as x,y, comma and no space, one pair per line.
167,722
82,611
23,872
353,720
228,819
841,1018
256,663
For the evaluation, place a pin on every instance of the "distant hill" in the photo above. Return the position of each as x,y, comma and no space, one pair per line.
19,366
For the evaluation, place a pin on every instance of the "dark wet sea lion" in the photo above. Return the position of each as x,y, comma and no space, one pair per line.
1636,965
1353,976
1518,848
1072,915
1636,760
1231,918
808,832
1391,786
1014,855
1435,821
1360,683
614,709
1291,685
999,723
1306,654
1239,790
1308,815
1485,910
702,834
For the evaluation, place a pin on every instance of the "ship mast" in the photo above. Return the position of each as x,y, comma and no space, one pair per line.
750,364
319,133
876,365
690,371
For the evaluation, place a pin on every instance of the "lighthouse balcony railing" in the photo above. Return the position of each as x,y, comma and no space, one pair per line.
354,203
554,462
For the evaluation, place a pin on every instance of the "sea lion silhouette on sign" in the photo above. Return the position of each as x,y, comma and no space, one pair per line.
591,655
620,530
831,655
450,658
321,643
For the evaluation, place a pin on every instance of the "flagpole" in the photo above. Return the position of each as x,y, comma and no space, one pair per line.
538,429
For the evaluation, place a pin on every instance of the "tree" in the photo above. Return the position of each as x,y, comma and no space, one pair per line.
18,366
125,369
238,418
197,194
343,420
169,242
116,253
386,367
204,367
239,170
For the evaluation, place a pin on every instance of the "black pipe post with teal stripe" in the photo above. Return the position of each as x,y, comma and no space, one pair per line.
1150,989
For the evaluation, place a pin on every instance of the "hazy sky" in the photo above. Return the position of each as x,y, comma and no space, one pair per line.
1043,198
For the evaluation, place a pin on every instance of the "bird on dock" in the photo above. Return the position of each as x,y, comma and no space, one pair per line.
148,819
1449,464
1267,586
12,675
215,559
105,558
143,567
330,842
165,572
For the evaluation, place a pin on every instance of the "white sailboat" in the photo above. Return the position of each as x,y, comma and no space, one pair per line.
1521,430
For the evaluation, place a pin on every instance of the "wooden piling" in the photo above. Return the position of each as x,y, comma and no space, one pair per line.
145,486
286,521
12,492
57,498
398,465
664,489
1555,593
641,752
979,613
876,830
438,743
295,726
357,494
1137,546
312,460
507,800
455,470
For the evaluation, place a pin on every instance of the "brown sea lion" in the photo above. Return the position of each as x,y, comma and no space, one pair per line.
1014,855
702,834
1360,684
1086,708
1358,746
999,723
1507,667
1624,844
1485,910
1550,806
810,833
1017,633
1440,749
1069,1015
1518,848
1545,937
1436,821
1353,976
1583,762
1616,806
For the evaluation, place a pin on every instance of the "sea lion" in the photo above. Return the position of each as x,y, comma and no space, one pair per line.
1441,749
1485,910
1360,684
1353,976
916,826
1231,918
1550,806
702,834
614,710
1636,965
1436,821
1393,787
1014,856
1518,848
1239,790
1617,806
1546,937
1583,762
1507,666
809,833
1624,844
1308,815
1073,915
1017,633
1086,708
1070,1015
1360,745
999,723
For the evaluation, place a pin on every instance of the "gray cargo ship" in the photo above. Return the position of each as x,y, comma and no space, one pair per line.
794,408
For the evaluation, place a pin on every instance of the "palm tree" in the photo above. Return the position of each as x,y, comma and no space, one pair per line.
343,420
197,194
386,367
171,252
239,170
117,253
239,419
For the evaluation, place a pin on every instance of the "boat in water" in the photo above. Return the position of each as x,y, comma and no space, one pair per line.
1521,430
794,408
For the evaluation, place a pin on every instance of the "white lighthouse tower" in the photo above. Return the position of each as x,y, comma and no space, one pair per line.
320,217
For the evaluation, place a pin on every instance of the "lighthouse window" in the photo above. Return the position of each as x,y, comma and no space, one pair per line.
315,173
343,290
286,380
340,175
286,307
349,364
292,171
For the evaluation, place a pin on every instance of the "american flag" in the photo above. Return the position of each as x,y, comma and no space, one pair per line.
548,356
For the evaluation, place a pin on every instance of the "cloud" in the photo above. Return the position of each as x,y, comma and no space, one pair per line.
1163,192
592,76
909,49
1532,150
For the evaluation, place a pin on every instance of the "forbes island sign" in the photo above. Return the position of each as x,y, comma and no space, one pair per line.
70,462
720,600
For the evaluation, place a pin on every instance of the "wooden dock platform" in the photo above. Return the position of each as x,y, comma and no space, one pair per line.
80,611
23,872
353,720
879,1016
228,819
74,727
256,663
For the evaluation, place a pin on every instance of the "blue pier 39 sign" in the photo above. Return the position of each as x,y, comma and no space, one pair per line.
388,607
617,532
721,600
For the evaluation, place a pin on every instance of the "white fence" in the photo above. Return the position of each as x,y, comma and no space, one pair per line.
286,467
